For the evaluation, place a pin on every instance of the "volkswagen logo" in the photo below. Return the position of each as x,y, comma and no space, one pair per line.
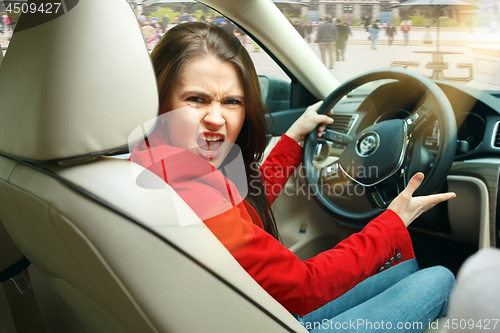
367,144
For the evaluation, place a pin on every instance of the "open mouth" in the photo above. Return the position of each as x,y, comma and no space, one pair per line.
209,144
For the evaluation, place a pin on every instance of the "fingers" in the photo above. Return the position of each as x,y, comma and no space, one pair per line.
321,129
414,183
315,106
324,120
428,200
434,199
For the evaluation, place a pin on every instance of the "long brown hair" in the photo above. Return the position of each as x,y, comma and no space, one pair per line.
189,41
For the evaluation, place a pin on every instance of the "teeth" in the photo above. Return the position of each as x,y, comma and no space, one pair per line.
213,138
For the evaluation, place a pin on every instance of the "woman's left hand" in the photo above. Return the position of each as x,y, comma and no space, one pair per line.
307,122
409,207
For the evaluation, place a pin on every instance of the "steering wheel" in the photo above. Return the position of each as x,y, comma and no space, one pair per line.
382,158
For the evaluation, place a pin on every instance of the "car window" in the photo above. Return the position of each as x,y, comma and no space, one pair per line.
458,44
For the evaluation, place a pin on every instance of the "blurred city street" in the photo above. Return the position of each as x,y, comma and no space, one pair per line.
359,57
4,40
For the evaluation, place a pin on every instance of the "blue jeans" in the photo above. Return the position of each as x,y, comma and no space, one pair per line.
399,299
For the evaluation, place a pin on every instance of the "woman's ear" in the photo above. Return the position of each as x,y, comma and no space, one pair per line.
161,129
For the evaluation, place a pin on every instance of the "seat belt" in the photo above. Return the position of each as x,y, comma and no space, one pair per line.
17,286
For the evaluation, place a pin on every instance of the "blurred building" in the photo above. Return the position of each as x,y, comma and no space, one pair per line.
347,10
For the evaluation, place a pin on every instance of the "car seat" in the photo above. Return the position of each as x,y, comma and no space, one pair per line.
73,87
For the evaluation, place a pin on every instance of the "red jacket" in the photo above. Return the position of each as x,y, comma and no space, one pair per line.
300,286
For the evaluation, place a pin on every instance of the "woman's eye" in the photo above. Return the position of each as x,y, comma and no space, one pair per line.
234,102
194,99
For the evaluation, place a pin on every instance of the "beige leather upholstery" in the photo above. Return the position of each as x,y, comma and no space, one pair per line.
116,275
76,86
10,252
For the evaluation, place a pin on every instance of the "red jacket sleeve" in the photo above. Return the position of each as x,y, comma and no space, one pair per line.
279,165
300,286
304,286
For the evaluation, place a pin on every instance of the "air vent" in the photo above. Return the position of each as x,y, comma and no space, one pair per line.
495,142
342,122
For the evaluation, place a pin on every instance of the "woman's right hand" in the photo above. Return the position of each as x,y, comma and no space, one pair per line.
307,122
409,208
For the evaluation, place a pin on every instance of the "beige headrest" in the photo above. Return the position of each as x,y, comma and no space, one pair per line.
75,85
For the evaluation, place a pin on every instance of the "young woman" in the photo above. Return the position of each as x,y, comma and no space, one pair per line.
211,112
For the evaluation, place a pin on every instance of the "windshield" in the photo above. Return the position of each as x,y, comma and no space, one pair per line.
458,43
465,55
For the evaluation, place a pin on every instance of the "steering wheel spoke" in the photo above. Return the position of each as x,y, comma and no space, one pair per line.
376,197
330,172
417,120
336,137
381,195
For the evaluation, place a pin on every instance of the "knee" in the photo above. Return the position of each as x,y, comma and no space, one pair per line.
442,280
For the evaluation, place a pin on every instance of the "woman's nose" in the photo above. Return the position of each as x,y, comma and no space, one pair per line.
213,117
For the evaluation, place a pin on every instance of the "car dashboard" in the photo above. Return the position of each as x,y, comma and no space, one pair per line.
474,176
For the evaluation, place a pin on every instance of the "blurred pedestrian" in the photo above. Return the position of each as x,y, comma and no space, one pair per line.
348,29
155,38
183,18
228,26
341,40
8,22
237,34
154,20
219,21
326,36
166,20
367,21
159,31
374,35
147,32
390,32
308,29
3,20
244,37
142,19
297,24
405,29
